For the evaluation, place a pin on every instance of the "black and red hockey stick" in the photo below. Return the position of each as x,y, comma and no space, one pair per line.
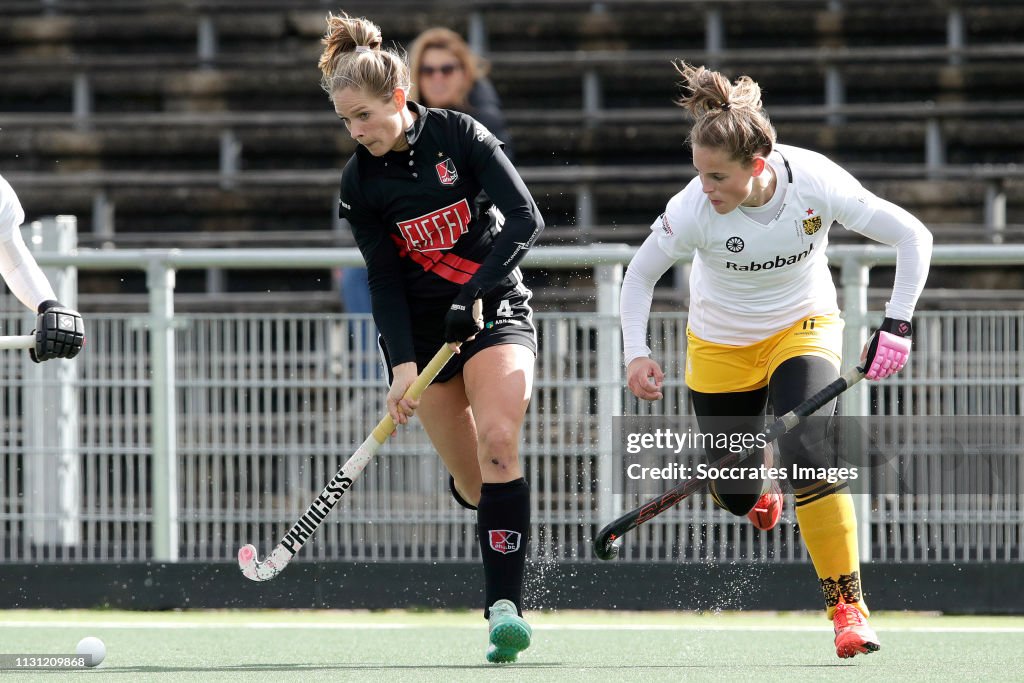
606,544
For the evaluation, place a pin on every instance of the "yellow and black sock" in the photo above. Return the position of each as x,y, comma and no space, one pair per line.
828,526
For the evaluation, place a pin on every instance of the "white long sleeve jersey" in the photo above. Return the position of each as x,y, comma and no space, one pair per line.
19,269
750,279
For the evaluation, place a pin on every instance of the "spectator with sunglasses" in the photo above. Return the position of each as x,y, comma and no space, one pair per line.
447,75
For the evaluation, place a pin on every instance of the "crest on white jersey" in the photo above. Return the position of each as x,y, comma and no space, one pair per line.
812,224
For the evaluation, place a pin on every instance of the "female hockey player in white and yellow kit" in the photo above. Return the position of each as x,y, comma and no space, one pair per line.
763,319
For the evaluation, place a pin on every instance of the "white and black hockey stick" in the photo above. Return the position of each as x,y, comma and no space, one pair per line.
19,341
311,519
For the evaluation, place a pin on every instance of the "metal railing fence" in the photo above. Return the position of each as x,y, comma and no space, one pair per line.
196,433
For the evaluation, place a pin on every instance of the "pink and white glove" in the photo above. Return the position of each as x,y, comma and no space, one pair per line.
888,349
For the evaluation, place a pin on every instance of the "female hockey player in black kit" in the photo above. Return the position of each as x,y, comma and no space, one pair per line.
443,219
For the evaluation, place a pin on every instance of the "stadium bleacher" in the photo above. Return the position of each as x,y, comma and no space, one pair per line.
202,123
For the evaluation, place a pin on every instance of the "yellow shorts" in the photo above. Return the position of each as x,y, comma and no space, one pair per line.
719,368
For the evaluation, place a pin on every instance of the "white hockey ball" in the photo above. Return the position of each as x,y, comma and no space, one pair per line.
93,649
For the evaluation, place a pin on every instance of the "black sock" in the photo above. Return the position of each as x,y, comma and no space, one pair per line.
503,526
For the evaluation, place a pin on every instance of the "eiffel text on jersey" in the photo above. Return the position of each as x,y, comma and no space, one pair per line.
777,262
438,229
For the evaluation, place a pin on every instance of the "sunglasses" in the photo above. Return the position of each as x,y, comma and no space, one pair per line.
445,69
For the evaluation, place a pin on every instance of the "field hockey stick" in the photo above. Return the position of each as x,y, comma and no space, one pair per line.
20,341
318,510
607,542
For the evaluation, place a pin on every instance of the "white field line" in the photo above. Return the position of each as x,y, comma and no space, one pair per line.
348,626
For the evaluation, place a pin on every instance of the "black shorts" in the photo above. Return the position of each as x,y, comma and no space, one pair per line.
508,319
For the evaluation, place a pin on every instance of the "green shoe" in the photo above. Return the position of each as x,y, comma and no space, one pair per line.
510,634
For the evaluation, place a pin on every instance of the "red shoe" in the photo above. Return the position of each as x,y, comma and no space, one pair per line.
768,509
853,635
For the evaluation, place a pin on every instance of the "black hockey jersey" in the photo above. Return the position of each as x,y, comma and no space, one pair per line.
450,211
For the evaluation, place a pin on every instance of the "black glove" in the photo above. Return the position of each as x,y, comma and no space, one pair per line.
463,319
59,332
